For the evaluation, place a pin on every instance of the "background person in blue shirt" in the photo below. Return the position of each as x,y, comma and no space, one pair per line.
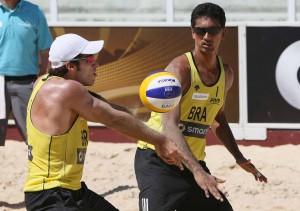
25,40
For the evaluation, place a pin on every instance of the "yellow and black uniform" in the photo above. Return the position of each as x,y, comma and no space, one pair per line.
56,163
198,109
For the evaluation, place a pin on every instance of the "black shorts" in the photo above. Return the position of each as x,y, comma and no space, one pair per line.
167,188
61,199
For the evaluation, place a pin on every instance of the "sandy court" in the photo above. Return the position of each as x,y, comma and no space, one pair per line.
109,171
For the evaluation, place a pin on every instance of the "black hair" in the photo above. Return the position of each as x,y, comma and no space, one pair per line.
210,10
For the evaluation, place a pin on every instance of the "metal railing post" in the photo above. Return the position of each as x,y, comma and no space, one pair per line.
53,10
291,4
170,11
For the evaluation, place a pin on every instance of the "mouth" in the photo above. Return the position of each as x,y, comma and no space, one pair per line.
207,46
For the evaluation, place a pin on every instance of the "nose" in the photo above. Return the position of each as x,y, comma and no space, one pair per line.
207,37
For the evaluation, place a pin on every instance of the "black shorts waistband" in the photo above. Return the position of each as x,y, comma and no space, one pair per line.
20,78
143,156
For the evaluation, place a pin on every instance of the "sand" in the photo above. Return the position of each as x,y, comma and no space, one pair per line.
109,171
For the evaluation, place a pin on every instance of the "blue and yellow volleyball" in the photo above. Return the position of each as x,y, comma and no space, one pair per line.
160,92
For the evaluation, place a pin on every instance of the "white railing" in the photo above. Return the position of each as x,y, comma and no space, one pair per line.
172,11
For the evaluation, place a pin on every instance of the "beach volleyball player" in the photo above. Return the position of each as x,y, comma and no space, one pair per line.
58,136
205,82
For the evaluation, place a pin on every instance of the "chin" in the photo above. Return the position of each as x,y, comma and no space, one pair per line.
207,51
92,82
88,83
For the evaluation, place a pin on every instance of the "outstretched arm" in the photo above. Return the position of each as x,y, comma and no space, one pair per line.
95,110
170,121
206,181
224,133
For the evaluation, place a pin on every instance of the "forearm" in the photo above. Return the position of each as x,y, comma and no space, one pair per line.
225,135
130,126
43,62
189,159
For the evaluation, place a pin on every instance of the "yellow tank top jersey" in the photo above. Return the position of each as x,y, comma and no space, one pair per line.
199,107
55,161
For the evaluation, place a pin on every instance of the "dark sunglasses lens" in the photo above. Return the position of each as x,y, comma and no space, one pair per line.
200,31
213,30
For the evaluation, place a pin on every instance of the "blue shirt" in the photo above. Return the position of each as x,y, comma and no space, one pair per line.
23,33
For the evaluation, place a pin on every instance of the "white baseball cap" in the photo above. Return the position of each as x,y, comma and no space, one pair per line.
66,47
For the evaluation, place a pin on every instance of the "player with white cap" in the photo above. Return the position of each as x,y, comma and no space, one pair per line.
58,135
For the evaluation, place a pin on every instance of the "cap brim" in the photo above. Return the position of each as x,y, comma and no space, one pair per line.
93,47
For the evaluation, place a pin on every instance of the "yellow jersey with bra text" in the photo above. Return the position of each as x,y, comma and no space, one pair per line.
55,161
198,109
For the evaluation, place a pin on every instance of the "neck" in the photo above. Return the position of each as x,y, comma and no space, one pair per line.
207,61
10,4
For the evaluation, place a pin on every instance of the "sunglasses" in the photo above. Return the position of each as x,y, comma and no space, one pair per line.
89,59
210,30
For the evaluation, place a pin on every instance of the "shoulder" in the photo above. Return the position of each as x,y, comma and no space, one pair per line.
62,90
179,62
228,70
30,5
229,75
32,8
179,66
70,88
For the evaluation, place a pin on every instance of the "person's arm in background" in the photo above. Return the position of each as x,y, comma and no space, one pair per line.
223,132
43,63
170,121
43,42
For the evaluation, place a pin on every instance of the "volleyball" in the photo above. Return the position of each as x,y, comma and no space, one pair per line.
160,92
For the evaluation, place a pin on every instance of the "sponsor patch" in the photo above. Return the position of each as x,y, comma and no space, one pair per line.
193,129
200,96
215,100
81,155
30,156
84,137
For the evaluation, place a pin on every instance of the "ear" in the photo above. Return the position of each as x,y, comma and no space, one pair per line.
193,33
70,66
223,33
